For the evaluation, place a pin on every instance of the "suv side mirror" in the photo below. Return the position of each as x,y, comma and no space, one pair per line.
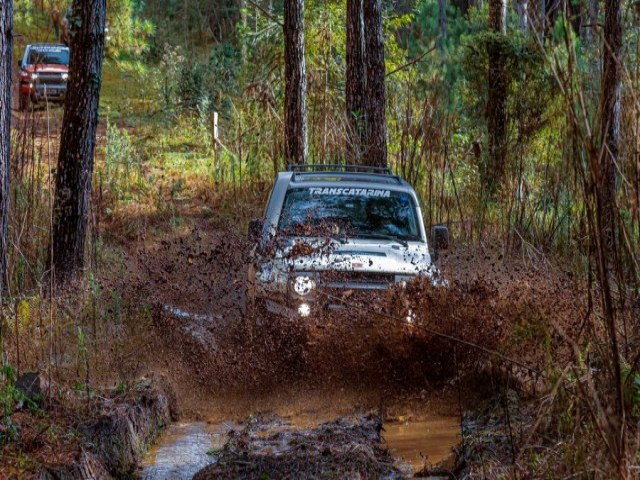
255,229
440,239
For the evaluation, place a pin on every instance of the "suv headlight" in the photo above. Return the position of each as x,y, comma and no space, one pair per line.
65,77
403,280
34,76
303,285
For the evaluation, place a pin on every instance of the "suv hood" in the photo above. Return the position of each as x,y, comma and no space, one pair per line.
47,68
360,255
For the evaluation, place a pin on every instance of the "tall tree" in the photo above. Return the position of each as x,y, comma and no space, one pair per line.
611,111
356,80
295,113
496,111
606,210
592,21
376,145
6,62
540,16
442,23
78,137
463,5
522,10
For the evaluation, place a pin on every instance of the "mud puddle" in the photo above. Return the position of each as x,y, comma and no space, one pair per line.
186,448
183,450
417,444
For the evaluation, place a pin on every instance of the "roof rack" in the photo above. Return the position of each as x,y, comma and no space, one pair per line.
334,167
50,44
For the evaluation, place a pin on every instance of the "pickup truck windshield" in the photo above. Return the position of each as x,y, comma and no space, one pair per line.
354,212
53,56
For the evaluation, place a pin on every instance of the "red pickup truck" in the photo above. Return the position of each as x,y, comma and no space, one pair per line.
44,71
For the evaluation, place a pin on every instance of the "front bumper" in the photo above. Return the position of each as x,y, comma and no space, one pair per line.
325,301
303,308
40,92
51,93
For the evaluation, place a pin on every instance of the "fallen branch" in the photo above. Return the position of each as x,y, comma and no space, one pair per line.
266,13
410,62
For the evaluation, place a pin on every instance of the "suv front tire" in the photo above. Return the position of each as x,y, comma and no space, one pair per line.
24,102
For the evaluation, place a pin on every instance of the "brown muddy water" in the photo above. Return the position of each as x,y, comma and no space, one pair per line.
417,444
182,450
185,448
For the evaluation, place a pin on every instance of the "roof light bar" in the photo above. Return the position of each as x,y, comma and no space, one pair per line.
317,168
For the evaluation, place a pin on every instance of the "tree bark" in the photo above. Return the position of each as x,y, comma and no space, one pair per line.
356,81
376,146
540,17
243,20
606,209
611,109
464,5
6,64
591,29
496,111
522,10
78,138
296,149
442,23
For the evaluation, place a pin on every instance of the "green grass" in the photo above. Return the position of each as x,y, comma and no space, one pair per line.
126,96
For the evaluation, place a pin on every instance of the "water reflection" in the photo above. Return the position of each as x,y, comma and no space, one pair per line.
183,450
425,442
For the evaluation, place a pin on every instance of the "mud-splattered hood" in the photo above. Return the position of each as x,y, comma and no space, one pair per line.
362,255
375,263
365,256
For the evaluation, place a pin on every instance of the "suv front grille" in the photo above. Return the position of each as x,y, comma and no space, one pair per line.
356,280
50,79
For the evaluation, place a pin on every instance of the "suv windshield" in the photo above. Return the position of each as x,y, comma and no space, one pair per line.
355,212
49,55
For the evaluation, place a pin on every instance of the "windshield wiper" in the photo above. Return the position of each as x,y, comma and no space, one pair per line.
382,236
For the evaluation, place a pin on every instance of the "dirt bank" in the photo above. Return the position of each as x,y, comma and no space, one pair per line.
87,435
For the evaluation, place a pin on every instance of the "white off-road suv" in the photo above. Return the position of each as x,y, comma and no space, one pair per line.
335,231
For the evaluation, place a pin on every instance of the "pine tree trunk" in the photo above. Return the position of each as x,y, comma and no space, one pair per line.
591,30
540,17
611,110
356,81
6,64
606,210
295,114
78,138
522,10
497,99
442,23
464,5
376,145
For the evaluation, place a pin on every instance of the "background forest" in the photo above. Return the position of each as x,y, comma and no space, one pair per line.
175,63
551,188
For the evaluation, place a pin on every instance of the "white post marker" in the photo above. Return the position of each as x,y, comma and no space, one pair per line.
215,142
215,125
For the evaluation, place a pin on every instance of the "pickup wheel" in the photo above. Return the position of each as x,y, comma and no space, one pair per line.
24,102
